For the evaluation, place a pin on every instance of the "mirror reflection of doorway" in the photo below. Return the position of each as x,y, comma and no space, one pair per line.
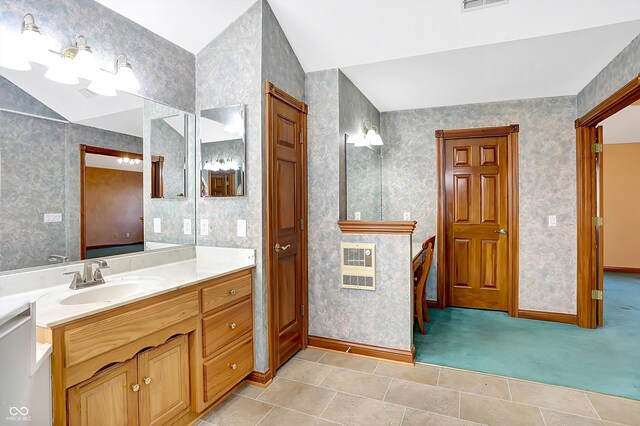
111,202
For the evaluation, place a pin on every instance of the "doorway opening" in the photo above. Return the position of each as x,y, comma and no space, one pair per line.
477,238
286,216
608,131
111,202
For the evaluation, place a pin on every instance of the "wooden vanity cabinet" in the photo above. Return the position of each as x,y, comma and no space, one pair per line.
150,389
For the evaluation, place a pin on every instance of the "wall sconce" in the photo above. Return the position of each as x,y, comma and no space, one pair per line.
66,67
221,164
370,136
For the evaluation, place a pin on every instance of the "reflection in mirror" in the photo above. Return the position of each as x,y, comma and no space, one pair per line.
71,172
222,152
169,156
364,182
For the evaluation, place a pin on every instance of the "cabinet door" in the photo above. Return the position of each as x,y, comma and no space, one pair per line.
107,399
164,381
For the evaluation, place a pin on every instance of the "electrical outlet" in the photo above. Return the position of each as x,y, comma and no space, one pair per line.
358,215
241,230
128,235
406,216
187,227
52,217
204,226
157,225
552,220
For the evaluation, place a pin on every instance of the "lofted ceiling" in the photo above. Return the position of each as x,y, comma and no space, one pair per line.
418,53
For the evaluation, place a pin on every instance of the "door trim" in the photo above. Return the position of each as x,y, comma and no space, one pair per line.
84,150
587,197
271,93
511,132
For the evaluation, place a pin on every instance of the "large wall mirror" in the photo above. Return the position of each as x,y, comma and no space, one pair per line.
222,152
363,165
76,172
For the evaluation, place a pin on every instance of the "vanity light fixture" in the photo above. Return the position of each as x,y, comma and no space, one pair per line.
11,54
221,164
33,43
62,69
125,79
84,60
370,136
103,84
127,160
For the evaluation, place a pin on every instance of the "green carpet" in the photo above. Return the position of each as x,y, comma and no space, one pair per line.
605,360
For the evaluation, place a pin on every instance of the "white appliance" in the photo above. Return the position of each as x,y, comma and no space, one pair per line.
25,368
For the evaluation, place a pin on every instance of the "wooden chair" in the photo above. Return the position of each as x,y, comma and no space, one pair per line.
421,267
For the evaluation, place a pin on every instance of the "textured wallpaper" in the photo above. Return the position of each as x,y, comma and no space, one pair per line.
624,67
172,212
170,144
547,185
334,312
231,70
17,100
166,72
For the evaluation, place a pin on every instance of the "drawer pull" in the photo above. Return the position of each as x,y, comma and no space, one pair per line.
233,325
135,387
147,380
232,292
233,366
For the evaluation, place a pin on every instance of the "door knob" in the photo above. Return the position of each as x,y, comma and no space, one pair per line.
277,247
501,231
147,380
135,387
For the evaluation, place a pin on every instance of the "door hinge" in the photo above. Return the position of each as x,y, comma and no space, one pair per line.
597,221
597,294
301,224
301,137
301,310
596,147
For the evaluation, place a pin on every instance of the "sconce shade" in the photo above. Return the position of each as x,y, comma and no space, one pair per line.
62,70
11,54
103,84
126,80
86,64
376,140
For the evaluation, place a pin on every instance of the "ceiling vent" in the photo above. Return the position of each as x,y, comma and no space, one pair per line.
358,266
481,4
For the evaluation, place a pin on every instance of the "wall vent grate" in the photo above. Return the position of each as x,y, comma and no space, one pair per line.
481,4
358,266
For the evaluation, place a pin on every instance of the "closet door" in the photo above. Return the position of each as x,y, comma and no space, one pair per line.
109,398
163,373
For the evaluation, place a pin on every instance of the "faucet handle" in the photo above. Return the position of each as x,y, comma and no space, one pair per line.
76,280
97,275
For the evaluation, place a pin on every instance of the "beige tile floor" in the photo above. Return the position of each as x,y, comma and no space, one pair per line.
317,388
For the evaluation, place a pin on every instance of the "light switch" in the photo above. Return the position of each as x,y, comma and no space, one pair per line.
357,215
157,225
552,220
204,226
242,228
52,217
186,227
406,216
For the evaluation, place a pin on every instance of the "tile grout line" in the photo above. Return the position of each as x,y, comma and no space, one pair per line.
263,417
509,387
375,369
284,408
460,405
387,391
325,376
542,415
592,406
325,408
438,380
404,413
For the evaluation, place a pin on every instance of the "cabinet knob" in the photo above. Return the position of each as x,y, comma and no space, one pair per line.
232,292
233,366
233,325
135,387
147,380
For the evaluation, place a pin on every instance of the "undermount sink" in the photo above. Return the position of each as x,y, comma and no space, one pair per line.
113,289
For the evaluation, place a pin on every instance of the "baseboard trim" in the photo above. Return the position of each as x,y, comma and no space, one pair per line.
259,378
398,355
624,269
548,316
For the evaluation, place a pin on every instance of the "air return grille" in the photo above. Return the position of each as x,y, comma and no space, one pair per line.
480,4
358,265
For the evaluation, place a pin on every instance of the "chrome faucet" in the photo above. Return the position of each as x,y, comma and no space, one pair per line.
90,277
57,258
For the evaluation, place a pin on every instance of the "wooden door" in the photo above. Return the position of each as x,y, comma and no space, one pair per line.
163,373
476,212
107,399
600,229
286,195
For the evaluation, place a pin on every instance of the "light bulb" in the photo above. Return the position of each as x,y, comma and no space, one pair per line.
11,54
120,160
137,160
376,140
103,84
126,80
62,71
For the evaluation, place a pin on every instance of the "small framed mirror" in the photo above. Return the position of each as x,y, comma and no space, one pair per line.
363,165
222,152
169,156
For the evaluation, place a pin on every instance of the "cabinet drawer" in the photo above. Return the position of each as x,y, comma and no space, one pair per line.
112,332
222,328
227,369
226,292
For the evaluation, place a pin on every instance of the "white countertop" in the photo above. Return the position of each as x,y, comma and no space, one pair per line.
51,313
